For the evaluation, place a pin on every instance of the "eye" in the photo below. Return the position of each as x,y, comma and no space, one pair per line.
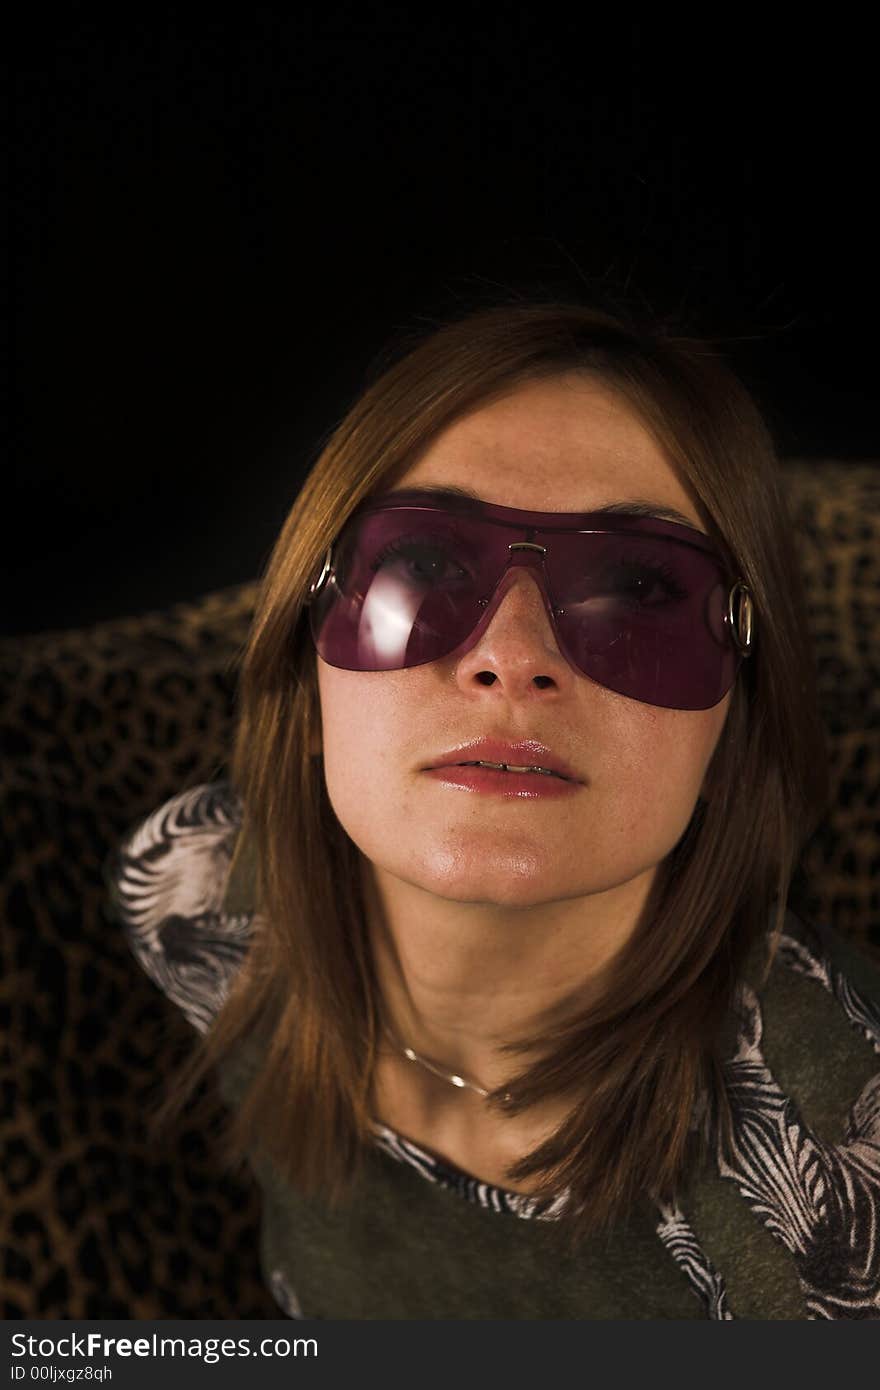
420,562
646,584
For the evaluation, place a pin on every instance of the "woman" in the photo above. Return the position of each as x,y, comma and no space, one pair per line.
500,983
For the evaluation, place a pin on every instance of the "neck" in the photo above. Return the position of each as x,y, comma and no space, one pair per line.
459,980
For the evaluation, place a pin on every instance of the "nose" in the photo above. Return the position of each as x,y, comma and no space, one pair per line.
517,654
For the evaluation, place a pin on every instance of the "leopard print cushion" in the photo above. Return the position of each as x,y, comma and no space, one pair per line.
101,726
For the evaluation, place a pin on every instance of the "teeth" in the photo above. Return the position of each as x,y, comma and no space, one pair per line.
511,767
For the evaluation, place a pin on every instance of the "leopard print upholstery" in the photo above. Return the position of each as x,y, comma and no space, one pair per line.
101,726
836,515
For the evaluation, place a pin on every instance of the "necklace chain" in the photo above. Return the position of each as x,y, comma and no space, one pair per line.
452,1077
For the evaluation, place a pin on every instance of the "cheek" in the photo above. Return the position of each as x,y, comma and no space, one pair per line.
357,730
659,762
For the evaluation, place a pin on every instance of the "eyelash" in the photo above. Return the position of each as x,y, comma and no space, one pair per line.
659,572
398,547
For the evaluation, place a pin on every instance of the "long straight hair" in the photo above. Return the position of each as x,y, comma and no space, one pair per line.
645,1058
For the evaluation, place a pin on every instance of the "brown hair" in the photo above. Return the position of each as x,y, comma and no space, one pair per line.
645,1058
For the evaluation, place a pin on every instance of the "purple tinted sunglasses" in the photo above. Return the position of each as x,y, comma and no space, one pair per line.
645,607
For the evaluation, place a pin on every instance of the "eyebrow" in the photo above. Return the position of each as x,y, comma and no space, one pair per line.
636,507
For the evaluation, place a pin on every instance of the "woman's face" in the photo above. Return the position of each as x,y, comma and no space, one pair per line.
566,444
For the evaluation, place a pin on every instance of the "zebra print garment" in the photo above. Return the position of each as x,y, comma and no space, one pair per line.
819,1200
167,886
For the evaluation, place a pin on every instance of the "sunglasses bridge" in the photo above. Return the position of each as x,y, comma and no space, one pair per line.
532,558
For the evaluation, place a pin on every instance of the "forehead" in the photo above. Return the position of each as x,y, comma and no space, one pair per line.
566,444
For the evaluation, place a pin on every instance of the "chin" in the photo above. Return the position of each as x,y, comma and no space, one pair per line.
504,880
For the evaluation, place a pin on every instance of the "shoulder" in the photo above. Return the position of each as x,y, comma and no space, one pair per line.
805,1091
813,1024
167,882
815,951
802,1073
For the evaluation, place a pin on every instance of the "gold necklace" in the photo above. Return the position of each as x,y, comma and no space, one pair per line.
452,1077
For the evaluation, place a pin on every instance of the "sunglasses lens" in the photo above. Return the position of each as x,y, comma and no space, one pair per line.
640,615
644,616
403,591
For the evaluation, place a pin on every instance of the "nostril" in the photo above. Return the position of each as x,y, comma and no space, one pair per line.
486,677
543,681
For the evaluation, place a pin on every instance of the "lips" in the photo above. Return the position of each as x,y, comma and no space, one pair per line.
524,754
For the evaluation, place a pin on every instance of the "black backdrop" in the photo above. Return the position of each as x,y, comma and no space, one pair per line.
218,223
